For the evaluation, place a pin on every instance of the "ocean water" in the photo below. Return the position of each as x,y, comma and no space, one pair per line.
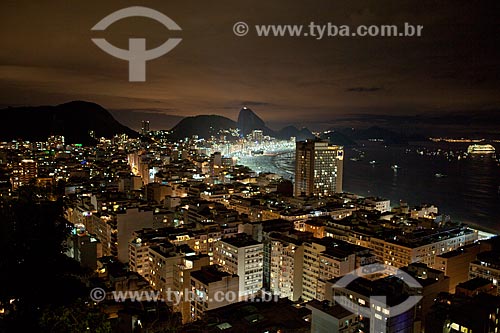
469,192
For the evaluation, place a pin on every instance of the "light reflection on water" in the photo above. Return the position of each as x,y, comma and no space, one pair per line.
469,192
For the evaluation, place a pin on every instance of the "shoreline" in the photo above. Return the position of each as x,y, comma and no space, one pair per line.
480,228
287,174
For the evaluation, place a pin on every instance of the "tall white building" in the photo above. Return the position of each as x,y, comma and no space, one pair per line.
318,168
244,257
325,259
286,263
257,135
164,260
212,288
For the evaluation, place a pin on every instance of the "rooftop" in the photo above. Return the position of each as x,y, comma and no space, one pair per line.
285,238
337,311
210,274
242,240
474,283
255,316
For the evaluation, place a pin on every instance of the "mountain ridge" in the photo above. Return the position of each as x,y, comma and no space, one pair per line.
247,121
202,125
73,120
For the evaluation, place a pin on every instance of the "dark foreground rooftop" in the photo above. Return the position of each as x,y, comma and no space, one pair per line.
254,316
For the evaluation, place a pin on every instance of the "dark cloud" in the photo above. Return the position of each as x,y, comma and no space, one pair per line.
363,89
473,123
236,105
154,111
48,58
255,103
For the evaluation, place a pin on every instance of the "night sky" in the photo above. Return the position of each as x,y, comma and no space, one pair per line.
47,57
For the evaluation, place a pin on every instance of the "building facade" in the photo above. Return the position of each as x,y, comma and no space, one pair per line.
244,257
23,172
286,266
318,168
323,262
212,288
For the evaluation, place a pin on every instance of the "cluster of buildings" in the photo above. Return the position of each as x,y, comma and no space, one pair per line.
165,217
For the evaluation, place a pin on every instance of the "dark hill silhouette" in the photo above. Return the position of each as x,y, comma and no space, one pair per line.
249,121
292,131
73,120
338,138
207,125
388,136
204,126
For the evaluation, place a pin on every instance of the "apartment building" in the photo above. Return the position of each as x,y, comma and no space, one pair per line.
212,288
286,266
486,266
421,246
166,261
325,259
138,253
455,264
243,256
